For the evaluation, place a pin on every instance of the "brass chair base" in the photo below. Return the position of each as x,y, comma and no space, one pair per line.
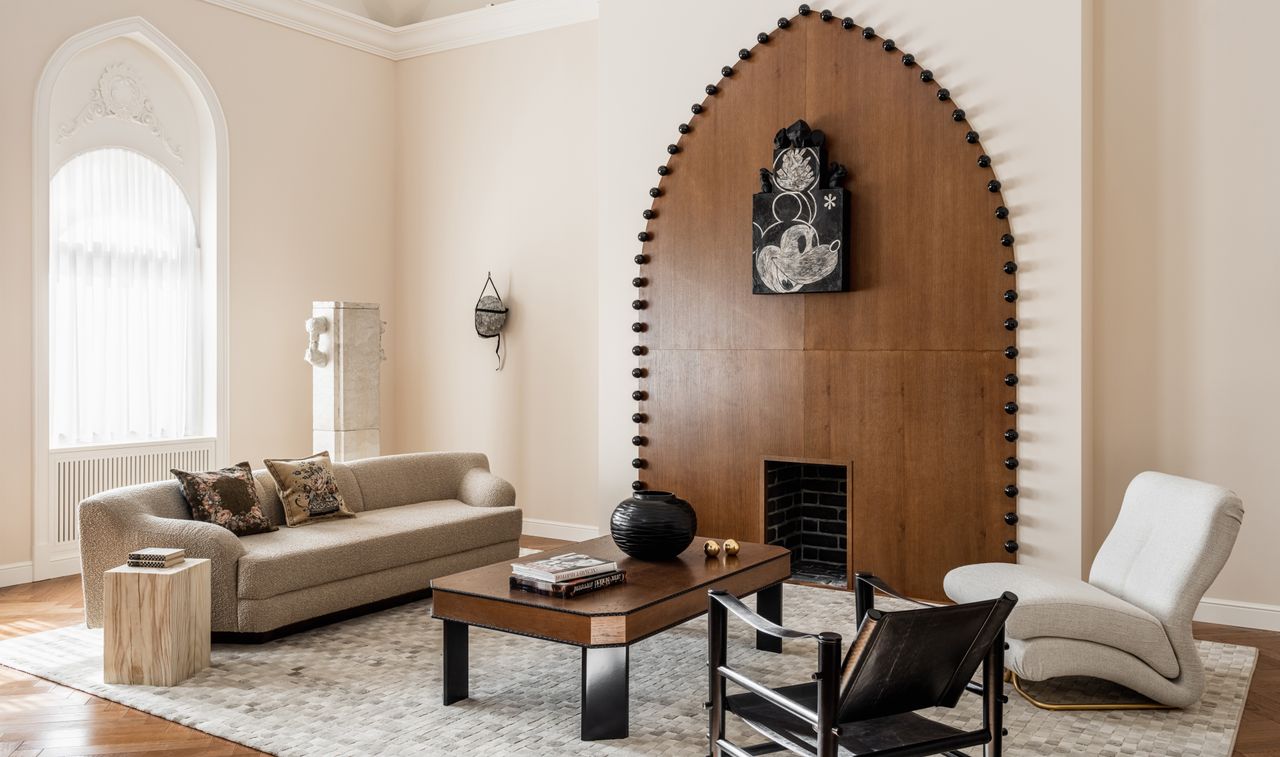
1060,706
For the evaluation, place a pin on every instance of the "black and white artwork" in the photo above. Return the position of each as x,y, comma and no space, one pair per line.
800,218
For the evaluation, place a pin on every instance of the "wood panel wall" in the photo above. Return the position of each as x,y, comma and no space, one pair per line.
904,375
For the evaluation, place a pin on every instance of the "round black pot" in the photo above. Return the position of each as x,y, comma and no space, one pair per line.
653,525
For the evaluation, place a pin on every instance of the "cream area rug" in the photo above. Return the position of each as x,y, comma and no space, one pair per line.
372,686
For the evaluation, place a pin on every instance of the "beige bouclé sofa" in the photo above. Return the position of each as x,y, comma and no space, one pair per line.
418,516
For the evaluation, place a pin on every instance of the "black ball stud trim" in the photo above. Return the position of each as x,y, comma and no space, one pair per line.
643,236
743,54
639,372
1011,324
726,71
1011,463
639,304
673,149
639,350
639,326
696,108
649,214
639,395
868,32
1011,352
957,115
1002,212
638,486
1011,408
1010,379
971,137
655,192
908,59
944,94
639,282
826,15
1011,491
889,45
783,23
804,10
1011,519
926,76
664,170
1010,267
984,161
684,128
641,259
1011,546
993,186
847,22
639,417
1009,296
639,463
711,89
762,38
640,441
1011,435
1006,240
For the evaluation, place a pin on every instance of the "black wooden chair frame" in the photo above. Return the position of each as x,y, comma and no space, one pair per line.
824,719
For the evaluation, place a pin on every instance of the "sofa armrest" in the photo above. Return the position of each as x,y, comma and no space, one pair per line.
480,488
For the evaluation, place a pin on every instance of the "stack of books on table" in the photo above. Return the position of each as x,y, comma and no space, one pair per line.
156,557
566,576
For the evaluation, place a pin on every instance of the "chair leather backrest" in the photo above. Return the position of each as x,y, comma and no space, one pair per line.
914,659
1170,541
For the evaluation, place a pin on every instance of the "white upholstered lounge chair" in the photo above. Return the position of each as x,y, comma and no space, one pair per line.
1131,623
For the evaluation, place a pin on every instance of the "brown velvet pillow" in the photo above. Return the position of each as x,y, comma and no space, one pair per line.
226,497
308,490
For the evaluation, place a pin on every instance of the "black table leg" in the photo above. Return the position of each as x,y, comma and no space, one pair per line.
455,661
605,700
769,605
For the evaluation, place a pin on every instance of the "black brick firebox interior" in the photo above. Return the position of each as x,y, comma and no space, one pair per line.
806,511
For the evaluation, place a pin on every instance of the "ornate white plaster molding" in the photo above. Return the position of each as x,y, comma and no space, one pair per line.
495,22
119,94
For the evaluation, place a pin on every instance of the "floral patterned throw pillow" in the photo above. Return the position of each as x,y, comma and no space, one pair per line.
227,497
307,490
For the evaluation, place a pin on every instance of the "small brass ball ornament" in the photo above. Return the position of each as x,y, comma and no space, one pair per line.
731,547
711,549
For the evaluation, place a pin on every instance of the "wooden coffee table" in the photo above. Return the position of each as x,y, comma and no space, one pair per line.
605,623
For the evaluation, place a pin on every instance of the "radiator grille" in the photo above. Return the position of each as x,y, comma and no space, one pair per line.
78,474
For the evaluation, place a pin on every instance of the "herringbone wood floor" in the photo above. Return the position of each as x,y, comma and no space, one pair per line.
41,718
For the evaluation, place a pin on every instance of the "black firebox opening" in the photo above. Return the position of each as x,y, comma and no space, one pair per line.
806,511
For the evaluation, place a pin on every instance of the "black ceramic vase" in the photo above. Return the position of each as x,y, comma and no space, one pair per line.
653,525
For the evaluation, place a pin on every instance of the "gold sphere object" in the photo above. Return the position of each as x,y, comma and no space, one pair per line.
711,548
731,547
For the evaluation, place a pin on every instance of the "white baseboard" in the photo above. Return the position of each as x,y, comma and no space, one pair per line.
554,529
1229,612
15,573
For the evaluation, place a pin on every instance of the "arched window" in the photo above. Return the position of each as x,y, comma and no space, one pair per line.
126,304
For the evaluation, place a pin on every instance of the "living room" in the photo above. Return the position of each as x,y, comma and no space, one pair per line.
1031,288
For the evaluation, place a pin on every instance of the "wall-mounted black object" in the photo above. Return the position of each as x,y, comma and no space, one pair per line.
653,525
639,441
1011,518
1011,546
639,281
491,316
639,349
1002,212
641,259
638,485
1011,435
1009,267
643,236
663,170
1011,379
726,71
944,94
971,137
926,76
639,395
1006,240
984,161
639,372
649,213
639,463
639,418
639,327
712,89
1011,463
1011,352
696,108
868,33
958,115
889,45
993,186
908,59
800,218
683,128
1009,295
1011,408
1011,491
1010,324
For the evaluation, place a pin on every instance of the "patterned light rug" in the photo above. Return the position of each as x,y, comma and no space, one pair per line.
372,686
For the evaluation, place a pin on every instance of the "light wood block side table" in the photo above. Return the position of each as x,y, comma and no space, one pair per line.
156,623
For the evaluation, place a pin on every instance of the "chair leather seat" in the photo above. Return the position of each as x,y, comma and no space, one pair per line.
1053,606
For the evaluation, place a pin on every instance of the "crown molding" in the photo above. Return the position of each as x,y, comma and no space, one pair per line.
495,22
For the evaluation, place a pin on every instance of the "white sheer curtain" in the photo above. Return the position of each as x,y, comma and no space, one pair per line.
125,304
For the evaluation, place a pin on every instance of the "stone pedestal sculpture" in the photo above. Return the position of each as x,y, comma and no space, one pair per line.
345,353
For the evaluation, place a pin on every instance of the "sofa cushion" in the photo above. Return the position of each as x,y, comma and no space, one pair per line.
296,558
227,497
308,490
274,508
1050,605
395,480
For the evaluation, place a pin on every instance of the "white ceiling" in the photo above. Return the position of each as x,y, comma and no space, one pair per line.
396,13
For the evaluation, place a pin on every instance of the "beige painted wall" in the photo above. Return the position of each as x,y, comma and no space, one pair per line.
312,146
1187,284
1016,67
497,172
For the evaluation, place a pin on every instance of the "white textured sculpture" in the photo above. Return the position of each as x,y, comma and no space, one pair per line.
345,353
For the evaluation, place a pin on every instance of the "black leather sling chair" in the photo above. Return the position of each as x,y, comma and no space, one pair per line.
900,661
